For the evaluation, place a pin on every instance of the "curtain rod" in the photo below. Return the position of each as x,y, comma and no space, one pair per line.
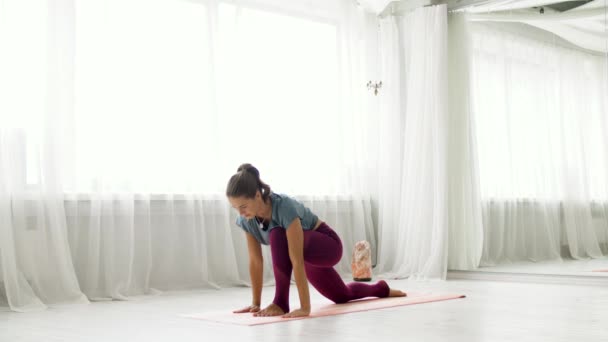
399,7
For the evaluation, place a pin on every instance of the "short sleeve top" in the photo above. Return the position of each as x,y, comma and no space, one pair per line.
284,210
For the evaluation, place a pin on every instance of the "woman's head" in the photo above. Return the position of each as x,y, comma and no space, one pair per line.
246,191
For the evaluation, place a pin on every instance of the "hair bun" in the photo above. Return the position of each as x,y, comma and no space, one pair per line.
249,168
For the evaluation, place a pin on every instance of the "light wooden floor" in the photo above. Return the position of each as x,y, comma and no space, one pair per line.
493,311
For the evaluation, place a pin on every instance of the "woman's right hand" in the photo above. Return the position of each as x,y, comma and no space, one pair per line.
250,308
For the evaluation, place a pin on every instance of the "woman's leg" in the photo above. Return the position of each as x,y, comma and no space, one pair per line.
322,250
281,265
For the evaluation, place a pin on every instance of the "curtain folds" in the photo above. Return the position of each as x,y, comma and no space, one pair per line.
485,144
465,215
540,109
116,141
413,230
584,26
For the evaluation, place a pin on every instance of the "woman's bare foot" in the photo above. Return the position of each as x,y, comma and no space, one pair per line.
270,310
393,292
396,293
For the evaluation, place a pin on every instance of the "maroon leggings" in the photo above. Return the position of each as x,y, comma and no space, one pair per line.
322,250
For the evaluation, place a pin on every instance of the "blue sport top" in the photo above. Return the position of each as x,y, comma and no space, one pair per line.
284,210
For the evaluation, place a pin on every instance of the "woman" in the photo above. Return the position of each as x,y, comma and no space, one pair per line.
298,241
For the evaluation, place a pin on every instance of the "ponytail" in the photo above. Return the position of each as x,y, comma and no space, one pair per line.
246,182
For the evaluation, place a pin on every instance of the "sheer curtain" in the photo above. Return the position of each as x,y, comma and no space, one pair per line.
35,261
116,182
413,227
466,237
541,112
584,26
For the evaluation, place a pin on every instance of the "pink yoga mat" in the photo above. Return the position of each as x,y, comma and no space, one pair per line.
325,310
606,270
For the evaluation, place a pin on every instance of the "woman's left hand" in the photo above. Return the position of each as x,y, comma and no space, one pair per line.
297,313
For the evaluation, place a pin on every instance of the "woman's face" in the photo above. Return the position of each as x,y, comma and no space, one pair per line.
247,207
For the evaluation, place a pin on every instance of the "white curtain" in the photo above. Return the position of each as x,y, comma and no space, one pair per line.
374,6
35,261
507,5
114,186
464,202
541,115
413,227
390,152
584,26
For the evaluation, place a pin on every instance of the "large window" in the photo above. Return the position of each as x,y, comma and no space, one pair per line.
23,82
541,117
174,95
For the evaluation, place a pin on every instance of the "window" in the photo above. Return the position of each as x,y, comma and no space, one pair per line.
23,93
168,101
540,118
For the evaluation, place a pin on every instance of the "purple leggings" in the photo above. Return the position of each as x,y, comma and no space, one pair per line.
322,250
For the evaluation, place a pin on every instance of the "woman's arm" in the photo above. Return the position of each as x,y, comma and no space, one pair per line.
256,269
295,239
256,273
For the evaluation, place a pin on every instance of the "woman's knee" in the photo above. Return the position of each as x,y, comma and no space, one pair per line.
340,298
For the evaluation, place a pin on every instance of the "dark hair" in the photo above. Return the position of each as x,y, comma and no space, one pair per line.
245,182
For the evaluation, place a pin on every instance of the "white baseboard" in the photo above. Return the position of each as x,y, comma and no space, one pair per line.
593,280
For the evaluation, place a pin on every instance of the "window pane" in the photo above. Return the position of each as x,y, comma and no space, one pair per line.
164,103
23,81
540,123
279,97
143,97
